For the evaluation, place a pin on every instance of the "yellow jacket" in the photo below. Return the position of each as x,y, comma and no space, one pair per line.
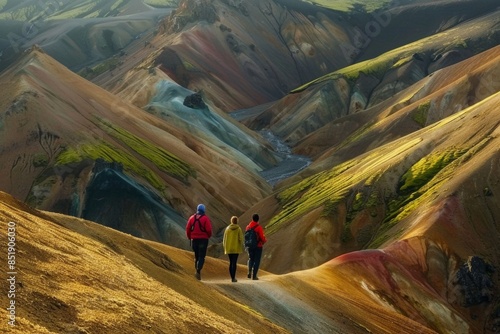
233,239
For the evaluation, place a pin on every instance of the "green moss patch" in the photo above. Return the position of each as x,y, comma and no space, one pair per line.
419,184
102,150
323,189
162,3
395,58
352,5
421,113
107,65
165,161
426,168
132,163
330,187
373,67
402,61
357,135
367,198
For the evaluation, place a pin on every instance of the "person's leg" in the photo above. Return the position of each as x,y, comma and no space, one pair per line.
194,245
202,252
251,261
257,257
233,259
230,265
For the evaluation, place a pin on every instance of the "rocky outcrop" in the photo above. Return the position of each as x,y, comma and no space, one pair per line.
194,101
474,281
191,11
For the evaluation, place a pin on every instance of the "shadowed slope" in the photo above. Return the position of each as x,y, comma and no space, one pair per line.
403,22
152,90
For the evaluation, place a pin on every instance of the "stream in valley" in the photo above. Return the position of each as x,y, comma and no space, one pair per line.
290,163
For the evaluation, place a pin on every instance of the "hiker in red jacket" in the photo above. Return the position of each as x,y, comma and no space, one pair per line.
255,254
199,230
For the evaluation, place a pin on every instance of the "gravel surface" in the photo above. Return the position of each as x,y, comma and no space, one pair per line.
289,166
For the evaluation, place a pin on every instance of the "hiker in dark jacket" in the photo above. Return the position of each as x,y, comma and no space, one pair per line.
199,230
233,245
255,254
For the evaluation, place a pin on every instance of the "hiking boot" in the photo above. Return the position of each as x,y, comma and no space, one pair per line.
234,280
249,275
255,278
198,276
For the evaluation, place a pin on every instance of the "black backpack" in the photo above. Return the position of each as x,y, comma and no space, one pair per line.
251,238
197,219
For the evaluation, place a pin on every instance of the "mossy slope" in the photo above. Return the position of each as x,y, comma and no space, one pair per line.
131,156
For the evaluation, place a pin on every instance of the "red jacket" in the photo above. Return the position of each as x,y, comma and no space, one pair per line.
260,233
201,230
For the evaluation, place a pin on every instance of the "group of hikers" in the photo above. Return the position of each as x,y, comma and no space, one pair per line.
199,230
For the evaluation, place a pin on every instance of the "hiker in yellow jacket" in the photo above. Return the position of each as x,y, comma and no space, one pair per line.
233,245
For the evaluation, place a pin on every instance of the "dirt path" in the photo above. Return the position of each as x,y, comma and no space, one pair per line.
275,302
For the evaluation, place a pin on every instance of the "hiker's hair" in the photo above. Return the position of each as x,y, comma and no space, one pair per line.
234,220
255,217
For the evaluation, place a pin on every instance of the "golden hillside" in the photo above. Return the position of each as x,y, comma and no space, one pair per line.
75,276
